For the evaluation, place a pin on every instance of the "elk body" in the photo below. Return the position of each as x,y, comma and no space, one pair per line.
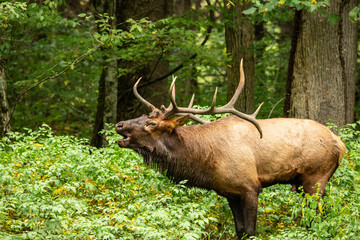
236,156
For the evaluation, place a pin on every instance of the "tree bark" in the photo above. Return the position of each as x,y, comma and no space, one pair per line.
129,106
322,81
107,99
290,74
107,102
239,36
4,104
116,100
183,7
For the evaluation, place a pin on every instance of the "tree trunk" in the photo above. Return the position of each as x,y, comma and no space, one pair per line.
239,36
129,106
4,105
116,100
183,7
322,83
107,102
294,42
107,99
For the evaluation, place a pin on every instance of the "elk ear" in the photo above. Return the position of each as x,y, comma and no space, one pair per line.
173,123
179,121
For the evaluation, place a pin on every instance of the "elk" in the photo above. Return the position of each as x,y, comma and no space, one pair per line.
236,155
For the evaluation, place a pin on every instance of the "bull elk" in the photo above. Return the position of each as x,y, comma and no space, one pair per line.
237,155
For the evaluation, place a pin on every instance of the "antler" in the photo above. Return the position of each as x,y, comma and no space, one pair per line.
227,108
149,105
163,109
173,109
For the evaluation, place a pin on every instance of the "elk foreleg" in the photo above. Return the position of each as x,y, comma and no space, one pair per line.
244,209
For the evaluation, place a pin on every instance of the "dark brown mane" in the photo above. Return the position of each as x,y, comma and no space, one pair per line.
177,166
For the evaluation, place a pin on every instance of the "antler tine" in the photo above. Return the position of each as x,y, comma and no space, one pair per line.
239,88
172,93
172,87
257,110
192,116
137,95
251,118
191,101
213,101
172,108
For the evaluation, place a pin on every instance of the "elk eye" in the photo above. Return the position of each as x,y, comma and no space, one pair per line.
153,124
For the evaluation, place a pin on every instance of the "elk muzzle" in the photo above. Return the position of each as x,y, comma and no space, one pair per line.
120,128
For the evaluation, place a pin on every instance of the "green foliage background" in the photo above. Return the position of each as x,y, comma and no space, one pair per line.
58,187
39,43
54,186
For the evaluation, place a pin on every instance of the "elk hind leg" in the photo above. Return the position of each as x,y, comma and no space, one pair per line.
312,183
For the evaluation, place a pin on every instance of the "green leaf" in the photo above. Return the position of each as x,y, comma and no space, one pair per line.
104,38
354,14
82,15
132,28
334,19
250,10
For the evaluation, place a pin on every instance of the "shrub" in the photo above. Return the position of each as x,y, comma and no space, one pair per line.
58,187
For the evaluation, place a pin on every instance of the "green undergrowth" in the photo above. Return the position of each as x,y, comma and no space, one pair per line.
58,187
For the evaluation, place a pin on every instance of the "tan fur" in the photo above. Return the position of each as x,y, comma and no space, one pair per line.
229,157
292,151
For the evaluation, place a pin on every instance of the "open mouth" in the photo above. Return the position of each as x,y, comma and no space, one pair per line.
124,142
124,133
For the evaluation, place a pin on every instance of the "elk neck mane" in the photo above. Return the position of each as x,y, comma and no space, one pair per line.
186,154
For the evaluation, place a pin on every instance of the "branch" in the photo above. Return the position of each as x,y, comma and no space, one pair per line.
275,107
76,61
72,64
174,70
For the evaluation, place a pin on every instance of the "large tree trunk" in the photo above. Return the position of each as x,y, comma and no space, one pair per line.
321,84
239,36
129,106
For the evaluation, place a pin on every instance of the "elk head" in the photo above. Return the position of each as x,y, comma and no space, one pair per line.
141,131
